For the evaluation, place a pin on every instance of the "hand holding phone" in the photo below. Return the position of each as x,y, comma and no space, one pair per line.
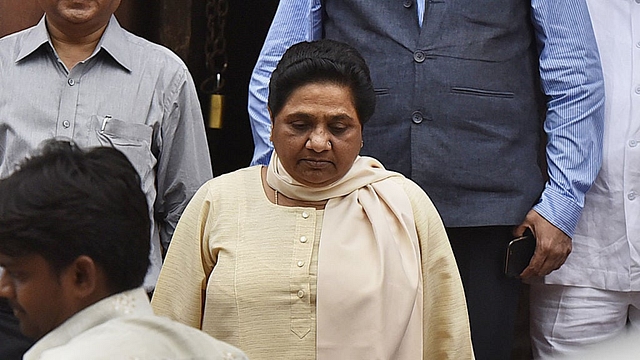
519,253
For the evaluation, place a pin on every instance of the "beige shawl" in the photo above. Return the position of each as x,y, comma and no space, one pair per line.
369,302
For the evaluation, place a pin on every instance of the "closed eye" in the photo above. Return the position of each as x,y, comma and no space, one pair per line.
299,125
338,129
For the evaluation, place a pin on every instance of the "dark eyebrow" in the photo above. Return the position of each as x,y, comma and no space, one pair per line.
299,116
342,117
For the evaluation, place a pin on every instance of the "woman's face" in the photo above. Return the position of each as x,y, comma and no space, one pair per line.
317,134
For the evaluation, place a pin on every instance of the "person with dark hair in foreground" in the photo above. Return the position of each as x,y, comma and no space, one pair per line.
74,249
323,254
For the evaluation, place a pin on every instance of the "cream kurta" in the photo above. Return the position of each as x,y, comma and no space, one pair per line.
252,266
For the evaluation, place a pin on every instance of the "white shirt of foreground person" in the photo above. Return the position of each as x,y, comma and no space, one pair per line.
123,326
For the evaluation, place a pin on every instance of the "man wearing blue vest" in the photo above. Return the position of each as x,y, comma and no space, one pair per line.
465,89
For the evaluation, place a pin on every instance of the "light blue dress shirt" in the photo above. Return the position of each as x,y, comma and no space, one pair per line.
575,102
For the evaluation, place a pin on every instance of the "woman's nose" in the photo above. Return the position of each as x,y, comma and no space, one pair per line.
319,141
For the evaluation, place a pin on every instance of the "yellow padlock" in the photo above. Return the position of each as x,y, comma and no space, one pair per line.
216,113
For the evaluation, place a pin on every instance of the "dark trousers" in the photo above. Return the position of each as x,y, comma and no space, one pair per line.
12,343
492,298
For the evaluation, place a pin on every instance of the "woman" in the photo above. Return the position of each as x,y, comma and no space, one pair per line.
324,254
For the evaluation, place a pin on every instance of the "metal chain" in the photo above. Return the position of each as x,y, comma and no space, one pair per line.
216,44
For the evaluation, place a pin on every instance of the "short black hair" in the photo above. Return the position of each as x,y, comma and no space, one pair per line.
65,202
323,61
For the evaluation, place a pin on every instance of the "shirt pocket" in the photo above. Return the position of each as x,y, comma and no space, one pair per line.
482,92
134,141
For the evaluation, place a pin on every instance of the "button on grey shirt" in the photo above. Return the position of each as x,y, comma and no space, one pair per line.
130,94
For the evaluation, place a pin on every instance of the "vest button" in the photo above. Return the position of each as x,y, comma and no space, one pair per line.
407,3
419,56
417,117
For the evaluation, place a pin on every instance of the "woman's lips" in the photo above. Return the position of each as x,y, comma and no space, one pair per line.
317,163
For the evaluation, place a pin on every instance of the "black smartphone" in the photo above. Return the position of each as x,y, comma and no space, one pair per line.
519,253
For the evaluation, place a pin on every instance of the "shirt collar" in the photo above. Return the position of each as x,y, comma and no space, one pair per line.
129,303
34,39
114,41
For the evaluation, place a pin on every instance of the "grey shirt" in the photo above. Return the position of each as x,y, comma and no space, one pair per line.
130,94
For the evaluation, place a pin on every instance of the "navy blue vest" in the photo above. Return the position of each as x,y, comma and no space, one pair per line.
459,108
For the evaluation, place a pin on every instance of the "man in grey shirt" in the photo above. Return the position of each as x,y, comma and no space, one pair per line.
79,75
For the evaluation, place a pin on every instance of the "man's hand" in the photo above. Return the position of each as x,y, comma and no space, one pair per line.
552,245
